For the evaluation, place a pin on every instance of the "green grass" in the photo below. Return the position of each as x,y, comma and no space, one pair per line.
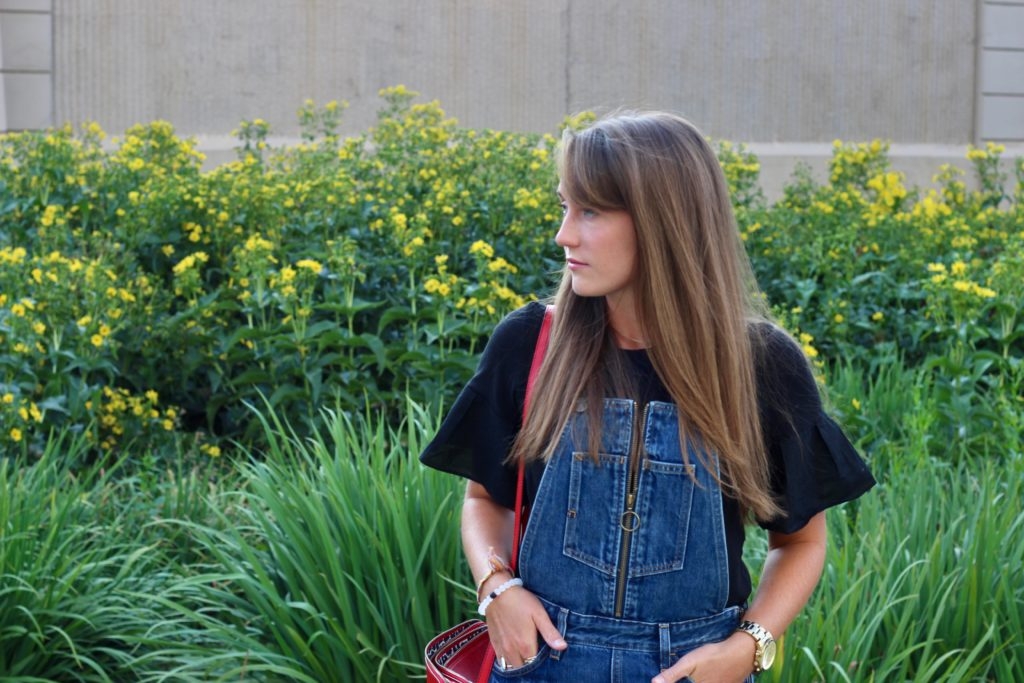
336,557
339,564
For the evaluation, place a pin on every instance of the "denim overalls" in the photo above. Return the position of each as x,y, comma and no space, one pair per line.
629,556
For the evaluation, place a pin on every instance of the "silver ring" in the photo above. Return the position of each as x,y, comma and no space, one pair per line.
501,663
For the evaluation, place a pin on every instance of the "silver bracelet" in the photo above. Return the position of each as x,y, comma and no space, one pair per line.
496,592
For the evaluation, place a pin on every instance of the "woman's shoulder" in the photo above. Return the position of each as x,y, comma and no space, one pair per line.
776,351
510,346
785,378
518,329
523,318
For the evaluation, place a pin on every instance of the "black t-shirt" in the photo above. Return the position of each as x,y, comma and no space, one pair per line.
813,465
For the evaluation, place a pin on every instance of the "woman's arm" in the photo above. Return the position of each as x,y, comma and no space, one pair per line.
516,616
791,571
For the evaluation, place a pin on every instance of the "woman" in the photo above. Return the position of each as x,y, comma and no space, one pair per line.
668,412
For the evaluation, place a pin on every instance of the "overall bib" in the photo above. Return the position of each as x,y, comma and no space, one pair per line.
627,555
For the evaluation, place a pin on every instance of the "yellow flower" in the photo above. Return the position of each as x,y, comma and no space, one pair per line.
855,403
15,434
499,264
96,340
39,328
310,265
414,244
975,154
483,248
7,398
167,249
152,396
838,318
877,316
958,268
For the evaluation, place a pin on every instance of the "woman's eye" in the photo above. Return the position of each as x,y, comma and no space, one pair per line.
589,213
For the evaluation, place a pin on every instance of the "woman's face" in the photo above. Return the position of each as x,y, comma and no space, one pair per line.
600,250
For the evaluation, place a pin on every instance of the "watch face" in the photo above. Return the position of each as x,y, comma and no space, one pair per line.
768,656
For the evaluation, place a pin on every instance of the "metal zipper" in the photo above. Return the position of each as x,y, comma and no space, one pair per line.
629,521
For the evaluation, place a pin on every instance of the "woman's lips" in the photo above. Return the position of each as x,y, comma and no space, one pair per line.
574,264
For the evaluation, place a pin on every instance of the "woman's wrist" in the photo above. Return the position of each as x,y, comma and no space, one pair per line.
492,581
496,566
496,593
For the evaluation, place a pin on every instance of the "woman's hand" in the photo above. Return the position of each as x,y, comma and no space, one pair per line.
514,620
791,571
516,617
728,661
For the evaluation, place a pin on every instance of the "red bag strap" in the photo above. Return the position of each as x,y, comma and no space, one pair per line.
538,359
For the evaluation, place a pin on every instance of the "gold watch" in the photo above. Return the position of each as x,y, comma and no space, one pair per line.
764,650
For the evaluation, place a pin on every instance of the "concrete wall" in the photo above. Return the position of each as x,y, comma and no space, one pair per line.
1001,71
797,71
787,75
26,64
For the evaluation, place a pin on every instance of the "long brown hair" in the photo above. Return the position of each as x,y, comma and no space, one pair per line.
696,299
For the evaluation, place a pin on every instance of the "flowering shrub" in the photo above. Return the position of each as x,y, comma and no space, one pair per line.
868,270
141,295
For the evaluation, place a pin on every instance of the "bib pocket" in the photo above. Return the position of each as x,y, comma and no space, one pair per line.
595,520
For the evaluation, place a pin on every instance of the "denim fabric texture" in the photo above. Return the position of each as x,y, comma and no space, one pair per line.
632,587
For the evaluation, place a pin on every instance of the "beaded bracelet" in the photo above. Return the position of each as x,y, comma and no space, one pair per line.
496,565
511,583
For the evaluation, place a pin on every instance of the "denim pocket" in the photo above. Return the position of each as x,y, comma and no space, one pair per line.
594,524
594,509
519,671
663,507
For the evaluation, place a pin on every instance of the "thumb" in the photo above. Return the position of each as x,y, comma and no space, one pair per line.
676,672
548,632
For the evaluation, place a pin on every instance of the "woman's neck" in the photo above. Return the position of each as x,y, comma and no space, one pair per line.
625,326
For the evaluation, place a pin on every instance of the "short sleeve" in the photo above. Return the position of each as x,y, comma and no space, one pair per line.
813,464
477,433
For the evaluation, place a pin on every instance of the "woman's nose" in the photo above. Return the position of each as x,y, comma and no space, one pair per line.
566,235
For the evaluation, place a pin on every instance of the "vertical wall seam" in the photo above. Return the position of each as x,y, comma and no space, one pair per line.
979,47
567,22
53,65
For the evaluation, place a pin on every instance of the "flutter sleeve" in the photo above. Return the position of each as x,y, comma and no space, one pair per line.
813,464
475,437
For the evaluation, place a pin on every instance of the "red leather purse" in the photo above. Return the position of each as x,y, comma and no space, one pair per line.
463,653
